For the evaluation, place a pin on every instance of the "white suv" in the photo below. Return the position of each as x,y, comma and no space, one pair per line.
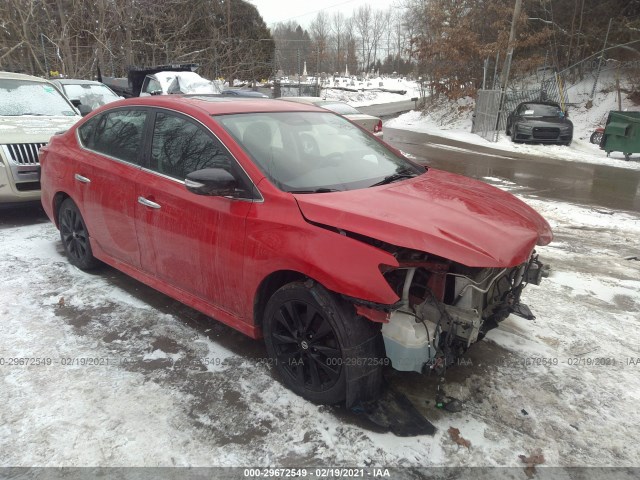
31,111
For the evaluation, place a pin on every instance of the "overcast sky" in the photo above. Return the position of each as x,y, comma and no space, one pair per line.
303,11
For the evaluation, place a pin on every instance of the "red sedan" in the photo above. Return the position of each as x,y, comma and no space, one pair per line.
287,221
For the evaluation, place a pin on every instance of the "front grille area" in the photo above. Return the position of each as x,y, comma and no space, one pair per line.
22,153
546,133
27,186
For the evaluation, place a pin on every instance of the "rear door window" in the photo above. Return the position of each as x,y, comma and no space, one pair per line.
117,134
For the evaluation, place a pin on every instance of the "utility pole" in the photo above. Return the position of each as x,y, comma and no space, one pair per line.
229,43
507,63
606,39
512,36
229,18
44,55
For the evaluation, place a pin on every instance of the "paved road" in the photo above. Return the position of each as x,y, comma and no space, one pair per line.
584,183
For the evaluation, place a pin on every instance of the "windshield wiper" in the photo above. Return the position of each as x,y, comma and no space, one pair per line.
316,190
394,177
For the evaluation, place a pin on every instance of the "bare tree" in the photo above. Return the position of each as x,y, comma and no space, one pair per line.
320,30
379,26
74,36
338,29
351,58
362,21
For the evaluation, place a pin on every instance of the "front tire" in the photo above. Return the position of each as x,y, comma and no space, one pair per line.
322,350
513,132
75,236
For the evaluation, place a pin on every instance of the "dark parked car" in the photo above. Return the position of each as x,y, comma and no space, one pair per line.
540,122
345,258
239,92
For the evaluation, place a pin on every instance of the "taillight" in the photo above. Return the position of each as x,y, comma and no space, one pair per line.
378,127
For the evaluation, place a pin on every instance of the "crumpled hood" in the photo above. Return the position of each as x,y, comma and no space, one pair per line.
33,129
451,216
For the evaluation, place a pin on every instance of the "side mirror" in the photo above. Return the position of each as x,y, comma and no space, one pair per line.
215,182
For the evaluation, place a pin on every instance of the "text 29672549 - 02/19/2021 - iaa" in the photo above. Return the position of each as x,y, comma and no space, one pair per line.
287,221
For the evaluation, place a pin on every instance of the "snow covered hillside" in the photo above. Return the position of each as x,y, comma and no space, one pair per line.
453,120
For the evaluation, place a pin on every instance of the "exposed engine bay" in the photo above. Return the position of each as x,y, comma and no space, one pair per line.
445,307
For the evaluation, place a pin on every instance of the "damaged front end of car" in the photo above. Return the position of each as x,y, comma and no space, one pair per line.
460,254
445,307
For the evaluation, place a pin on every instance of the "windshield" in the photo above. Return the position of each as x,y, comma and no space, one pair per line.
90,94
341,108
538,110
23,97
313,151
186,82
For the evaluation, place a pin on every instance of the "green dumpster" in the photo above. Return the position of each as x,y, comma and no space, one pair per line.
622,133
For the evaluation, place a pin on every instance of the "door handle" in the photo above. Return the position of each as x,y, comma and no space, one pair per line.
82,179
148,203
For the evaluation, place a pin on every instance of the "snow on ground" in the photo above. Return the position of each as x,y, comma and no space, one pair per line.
136,379
369,92
453,120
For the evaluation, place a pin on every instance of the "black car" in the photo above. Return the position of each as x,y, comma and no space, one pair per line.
243,93
540,122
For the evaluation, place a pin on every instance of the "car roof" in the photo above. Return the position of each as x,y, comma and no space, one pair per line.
21,76
310,100
73,81
218,104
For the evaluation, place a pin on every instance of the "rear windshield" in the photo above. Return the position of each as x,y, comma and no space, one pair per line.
90,94
340,108
23,97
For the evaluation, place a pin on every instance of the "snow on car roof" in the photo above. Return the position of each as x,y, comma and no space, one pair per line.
189,82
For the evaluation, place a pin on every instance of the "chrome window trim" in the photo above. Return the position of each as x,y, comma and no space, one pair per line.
119,160
140,167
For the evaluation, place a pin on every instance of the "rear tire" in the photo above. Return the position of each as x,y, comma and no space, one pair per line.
596,137
75,236
322,350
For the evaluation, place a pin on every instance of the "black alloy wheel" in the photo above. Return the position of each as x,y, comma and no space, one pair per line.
306,346
311,335
75,237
